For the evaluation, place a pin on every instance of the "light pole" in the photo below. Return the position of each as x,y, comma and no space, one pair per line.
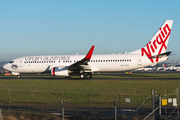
119,100
62,109
115,109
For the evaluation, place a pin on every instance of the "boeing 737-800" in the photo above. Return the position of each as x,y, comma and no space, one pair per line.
83,65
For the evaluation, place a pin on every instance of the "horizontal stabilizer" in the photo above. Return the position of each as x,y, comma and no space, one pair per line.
161,55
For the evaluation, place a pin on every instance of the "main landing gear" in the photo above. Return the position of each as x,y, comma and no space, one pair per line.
83,75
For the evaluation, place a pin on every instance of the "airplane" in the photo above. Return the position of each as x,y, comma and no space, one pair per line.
84,65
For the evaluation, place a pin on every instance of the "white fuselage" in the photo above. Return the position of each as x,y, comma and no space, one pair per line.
100,63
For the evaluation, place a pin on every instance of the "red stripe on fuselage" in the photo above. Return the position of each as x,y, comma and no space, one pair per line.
53,72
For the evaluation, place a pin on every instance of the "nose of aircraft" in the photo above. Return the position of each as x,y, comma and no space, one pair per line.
5,66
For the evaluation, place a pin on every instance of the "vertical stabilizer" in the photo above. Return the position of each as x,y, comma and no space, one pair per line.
158,43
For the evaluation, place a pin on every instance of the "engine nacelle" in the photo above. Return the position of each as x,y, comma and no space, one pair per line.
60,71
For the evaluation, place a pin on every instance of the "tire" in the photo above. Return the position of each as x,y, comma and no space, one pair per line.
82,76
19,77
89,76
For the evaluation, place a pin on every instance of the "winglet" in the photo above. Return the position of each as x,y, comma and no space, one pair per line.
89,54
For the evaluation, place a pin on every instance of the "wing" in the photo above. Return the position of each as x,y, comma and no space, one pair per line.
83,63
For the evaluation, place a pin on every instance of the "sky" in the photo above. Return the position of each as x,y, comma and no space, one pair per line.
59,27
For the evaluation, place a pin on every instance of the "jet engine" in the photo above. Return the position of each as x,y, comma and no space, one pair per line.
60,71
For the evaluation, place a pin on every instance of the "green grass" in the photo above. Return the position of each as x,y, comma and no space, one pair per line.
156,75
48,91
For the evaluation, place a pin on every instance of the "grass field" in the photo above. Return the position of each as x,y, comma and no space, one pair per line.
48,90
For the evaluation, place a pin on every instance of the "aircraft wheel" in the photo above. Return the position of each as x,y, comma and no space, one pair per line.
82,76
89,76
19,77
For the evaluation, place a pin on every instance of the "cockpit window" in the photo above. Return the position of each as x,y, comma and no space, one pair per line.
11,62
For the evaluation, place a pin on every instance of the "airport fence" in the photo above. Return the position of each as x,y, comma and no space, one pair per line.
85,104
72,99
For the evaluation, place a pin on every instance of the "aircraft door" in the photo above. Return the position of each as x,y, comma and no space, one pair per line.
139,60
20,63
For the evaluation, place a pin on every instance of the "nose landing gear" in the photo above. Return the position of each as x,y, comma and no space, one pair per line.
19,76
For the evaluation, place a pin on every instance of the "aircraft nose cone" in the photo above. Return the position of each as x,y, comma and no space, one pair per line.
5,66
